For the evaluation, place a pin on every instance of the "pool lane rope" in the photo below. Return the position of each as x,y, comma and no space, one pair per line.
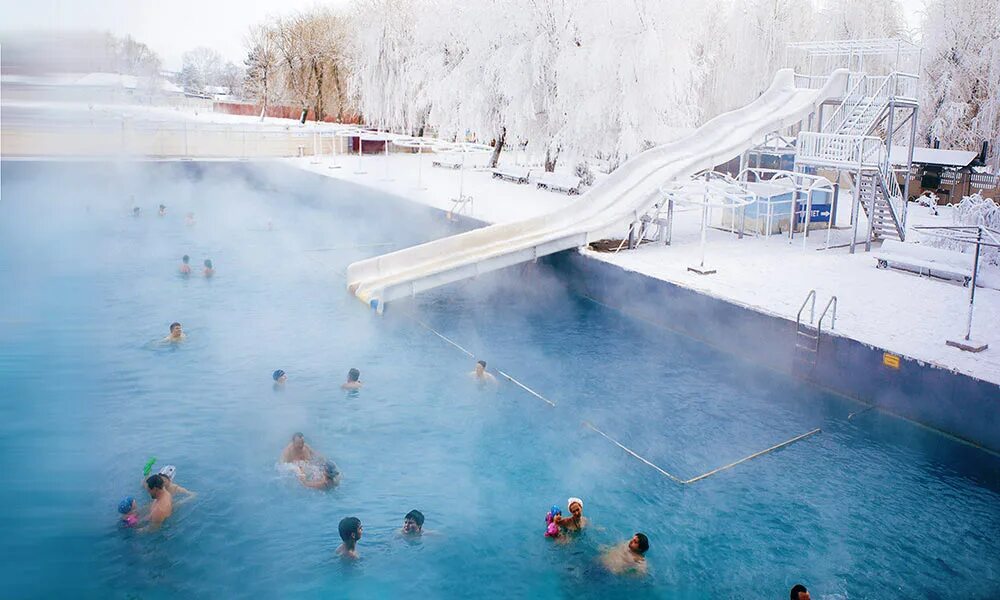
471,355
713,471
631,452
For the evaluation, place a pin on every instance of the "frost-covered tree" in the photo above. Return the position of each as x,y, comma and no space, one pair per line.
263,77
201,68
744,45
960,84
311,52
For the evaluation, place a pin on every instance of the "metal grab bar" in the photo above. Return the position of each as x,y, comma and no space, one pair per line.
812,308
833,316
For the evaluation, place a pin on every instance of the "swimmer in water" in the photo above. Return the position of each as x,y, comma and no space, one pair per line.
163,210
163,502
413,523
136,211
177,334
279,377
129,512
208,271
353,380
576,521
169,473
627,557
313,470
185,265
350,533
189,219
480,374
799,592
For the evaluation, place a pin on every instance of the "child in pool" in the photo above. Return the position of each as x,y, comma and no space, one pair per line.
129,512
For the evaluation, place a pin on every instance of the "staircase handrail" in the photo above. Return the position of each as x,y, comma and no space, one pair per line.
851,97
893,198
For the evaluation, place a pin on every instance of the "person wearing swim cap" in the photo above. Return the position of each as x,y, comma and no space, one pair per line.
129,512
627,557
353,380
163,501
575,521
350,533
413,523
279,377
177,334
185,266
480,374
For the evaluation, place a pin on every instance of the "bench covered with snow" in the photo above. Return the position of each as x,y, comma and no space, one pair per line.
515,174
559,183
447,162
921,259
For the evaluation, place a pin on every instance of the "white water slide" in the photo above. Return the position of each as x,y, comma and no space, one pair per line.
606,209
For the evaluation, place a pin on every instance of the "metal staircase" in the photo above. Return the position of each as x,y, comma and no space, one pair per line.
807,335
847,142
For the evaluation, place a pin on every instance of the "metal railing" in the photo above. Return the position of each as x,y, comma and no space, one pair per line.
840,150
833,317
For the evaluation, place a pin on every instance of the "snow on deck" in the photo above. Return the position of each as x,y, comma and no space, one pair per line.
900,312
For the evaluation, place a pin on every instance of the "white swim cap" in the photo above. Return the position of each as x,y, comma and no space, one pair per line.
572,500
169,471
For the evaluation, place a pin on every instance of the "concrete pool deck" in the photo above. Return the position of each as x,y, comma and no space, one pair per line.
899,312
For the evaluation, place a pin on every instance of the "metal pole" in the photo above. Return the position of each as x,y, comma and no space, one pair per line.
670,220
972,284
704,228
461,179
386,161
360,144
855,209
420,165
909,163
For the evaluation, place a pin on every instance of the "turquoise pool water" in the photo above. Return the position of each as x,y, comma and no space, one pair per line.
869,507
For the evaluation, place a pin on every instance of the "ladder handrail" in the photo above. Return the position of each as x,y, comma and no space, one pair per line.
833,318
812,309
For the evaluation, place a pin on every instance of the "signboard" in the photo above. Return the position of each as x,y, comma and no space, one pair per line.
820,213
890,360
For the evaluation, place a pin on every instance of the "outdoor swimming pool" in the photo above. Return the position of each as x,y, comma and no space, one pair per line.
871,506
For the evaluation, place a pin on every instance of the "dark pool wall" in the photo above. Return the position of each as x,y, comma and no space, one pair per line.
954,403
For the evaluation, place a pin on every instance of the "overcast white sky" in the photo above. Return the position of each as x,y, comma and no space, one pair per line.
171,27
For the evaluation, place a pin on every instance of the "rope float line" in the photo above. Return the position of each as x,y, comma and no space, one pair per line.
630,451
526,388
616,442
713,471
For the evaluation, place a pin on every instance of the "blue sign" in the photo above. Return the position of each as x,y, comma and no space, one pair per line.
820,213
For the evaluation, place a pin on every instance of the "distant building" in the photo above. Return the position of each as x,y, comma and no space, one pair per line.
949,174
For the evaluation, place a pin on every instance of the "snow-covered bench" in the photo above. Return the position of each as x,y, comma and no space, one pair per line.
921,259
559,183
515,174
448,162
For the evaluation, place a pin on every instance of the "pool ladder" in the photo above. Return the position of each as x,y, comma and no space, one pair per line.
807,335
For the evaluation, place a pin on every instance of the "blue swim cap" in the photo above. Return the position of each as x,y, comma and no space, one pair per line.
125,505
277,374
555,510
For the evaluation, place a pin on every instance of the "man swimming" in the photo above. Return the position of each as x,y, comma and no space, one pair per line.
350,532
576,521
628,557
185,266
798,592
163,502
163,210
313,470
413,523
480,374
209,270
136,211
168,473
353,380
177,334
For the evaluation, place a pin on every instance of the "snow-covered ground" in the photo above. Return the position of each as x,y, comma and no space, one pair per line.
900,312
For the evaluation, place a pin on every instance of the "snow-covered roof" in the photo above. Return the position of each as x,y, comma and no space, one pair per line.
170,88
933,156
